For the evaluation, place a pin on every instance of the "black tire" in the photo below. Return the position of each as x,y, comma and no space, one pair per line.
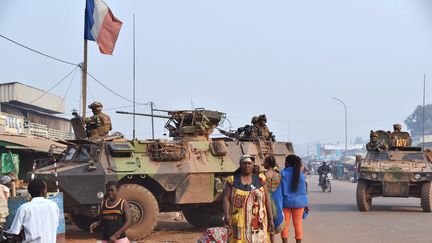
329,186
323,186
144,210
364,200
83,222
201,216
426,196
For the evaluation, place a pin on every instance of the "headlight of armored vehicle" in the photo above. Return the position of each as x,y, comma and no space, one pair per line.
417,176
374,176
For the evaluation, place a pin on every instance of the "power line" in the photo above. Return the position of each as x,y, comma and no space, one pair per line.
112,91
67,90
55,85
38,52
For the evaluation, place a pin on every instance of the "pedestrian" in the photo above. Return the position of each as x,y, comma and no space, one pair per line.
39,218
114,216
5,185
246,205
273,180
340,167
294,196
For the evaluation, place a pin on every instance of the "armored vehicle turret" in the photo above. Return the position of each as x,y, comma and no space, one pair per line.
392,168
183,173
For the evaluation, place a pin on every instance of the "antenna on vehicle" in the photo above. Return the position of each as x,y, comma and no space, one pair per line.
424,101
134,104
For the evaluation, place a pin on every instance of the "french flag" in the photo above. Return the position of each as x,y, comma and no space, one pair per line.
101,26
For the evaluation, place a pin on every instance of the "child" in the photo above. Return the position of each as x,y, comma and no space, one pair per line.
114,216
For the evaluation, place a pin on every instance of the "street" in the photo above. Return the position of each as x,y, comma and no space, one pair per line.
333,218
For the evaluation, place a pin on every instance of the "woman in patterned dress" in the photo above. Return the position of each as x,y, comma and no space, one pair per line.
246,204
273,185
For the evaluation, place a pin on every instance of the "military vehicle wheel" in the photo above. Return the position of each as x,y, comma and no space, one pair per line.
83,222
200,216
426,196
364,201
144,210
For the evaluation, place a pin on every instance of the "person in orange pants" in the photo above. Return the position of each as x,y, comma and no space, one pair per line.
294,196
297,215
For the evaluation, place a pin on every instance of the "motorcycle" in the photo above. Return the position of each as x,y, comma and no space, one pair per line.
6,237
326,182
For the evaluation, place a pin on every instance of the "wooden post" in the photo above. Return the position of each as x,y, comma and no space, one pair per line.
84,80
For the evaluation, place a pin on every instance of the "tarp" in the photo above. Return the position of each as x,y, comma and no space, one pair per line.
39,144
9,163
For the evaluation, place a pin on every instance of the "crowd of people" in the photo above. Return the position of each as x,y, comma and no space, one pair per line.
258,205
339,169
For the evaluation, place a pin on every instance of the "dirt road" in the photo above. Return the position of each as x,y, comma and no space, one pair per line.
334,218
168,230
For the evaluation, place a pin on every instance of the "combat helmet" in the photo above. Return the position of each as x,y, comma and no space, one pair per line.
262,117
96,105
397,127
254,120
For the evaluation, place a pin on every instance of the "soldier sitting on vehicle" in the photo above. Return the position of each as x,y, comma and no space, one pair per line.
246,133
263,130
399,138
376,144
99,124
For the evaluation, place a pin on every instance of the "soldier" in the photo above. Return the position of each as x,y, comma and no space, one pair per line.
397,127
262,127
248,132
399,138
254,121
375,144
99,124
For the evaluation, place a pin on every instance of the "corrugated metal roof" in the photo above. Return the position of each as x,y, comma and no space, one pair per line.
18,92
31,142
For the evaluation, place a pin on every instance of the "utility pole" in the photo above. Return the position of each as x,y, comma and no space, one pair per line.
346,125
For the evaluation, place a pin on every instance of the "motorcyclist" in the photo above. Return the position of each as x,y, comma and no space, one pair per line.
323,170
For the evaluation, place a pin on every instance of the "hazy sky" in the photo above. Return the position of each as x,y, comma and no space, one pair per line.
243,57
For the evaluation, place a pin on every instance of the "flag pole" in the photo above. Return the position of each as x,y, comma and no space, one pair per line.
84,80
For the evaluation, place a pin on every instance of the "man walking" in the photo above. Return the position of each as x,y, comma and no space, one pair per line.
38,218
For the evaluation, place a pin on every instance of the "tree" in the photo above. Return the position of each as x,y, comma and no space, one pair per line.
414,121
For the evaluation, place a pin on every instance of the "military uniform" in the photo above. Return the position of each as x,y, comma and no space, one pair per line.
99,124
263,130
375,144
399,138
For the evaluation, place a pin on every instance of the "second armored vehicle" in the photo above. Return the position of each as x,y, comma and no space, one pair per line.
392,168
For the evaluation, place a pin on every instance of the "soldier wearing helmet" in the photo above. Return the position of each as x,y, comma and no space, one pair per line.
375,143
99,124
254,120
399,138
262,127
397,127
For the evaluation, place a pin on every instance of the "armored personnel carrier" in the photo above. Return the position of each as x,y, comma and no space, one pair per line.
392,168
184,173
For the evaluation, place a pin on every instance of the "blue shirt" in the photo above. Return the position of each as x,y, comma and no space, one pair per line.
291,199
